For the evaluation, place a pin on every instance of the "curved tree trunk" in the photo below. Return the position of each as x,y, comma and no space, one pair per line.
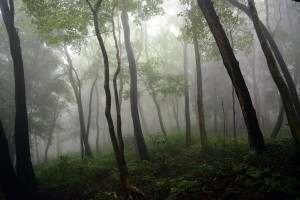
117,141
203,136
232,65
188,135
24,167
90,106
278,56
77,90
142,149
279,81
161,123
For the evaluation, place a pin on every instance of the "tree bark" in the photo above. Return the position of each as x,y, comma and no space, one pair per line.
203,135
90,106
24,167
161,123
117,145
77,91
278,55
97,120
143,117
278,124
142,149
175,112
188,135
279,81
10,185
232,65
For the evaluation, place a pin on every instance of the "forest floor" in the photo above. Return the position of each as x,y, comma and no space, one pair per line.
175,172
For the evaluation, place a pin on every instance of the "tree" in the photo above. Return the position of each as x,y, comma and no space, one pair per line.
116,139
188,138
231,64
279,81
24,167
141,145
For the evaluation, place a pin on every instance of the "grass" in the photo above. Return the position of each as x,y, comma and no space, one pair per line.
176,172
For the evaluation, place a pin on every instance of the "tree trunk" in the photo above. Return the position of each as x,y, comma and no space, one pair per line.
142,149
143,117
77,90
36,150
24,167
233,113
188,135
10,185
278,124
97,120
90,106
232,65
162,127
203,135
117,145
175,112
279,81
51,129
277,54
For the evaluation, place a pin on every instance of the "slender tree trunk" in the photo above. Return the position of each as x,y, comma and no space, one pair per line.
36,150
85,146
188,135
58,145
97,120
233,113
232,65
162,127
277,54
51,129
175,112
90,106
278,124
24,167
279,81
142,149
203,135
143,117
117,142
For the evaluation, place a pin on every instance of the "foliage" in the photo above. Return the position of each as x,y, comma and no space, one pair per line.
186,175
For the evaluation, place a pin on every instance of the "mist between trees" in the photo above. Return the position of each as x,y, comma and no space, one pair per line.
80,77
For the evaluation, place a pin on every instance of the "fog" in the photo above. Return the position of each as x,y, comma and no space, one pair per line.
49,90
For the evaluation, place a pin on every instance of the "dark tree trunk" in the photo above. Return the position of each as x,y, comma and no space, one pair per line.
162,127
203,136
278,79
233,113
117,141
232,65
278,56
142,149
24,167
10,185
90,106
175,112
188,135
143,117
85,146
278,124
97,120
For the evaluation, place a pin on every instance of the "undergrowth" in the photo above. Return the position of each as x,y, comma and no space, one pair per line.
176,172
